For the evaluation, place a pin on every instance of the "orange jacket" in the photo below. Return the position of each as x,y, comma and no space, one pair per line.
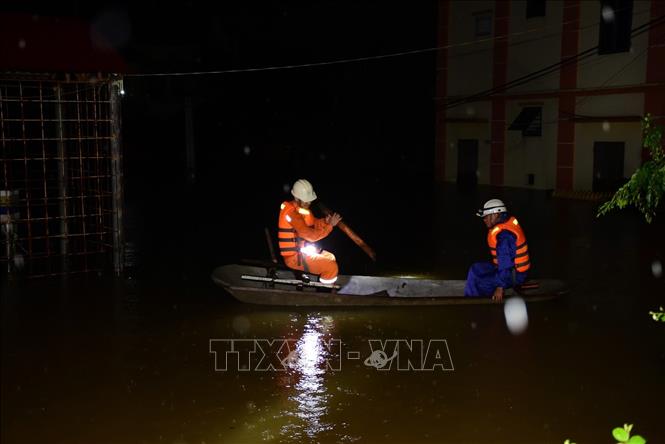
521,249
297,225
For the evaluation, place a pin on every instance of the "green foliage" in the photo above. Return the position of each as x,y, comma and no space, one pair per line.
646,187
658,315
622,436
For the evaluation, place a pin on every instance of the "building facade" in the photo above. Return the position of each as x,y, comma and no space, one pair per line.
547,94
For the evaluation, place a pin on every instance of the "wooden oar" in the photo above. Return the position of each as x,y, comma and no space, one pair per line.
352,234
270,246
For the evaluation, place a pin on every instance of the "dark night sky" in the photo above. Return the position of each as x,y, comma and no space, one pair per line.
359,131
380,108
366,119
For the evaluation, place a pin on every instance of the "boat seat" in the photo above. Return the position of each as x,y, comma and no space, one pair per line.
529,285
272,267
526,286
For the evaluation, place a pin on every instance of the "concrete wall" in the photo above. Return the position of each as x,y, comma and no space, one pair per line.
625,68
473,110
535,45
470,64
532,155
611,105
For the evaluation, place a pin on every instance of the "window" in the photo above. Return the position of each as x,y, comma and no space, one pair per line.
535,8
483,23
616,20
529,121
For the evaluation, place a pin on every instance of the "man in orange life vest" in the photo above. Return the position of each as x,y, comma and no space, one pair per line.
297,226
509,250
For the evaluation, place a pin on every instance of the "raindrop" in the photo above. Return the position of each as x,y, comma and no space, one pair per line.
21,43
474,325
516,316
111,29
607,13
657,268
286,189
322,156
470,111
241,324
246,150
606,126
19,261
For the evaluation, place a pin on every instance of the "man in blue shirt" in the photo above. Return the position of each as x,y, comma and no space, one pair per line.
509,250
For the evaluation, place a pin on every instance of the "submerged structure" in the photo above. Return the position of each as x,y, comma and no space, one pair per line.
61,187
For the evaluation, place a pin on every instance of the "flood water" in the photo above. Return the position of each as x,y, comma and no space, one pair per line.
92,359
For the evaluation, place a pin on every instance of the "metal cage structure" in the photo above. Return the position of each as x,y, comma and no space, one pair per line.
61,189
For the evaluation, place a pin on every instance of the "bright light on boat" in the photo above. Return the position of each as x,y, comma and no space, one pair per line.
309,249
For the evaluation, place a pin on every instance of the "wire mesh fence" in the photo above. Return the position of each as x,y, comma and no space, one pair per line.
61,185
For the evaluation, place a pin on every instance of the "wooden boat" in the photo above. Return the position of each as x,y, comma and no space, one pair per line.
275,285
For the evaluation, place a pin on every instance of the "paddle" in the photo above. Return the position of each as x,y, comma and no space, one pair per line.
352,234
270,246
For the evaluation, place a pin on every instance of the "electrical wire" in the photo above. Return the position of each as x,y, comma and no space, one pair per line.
368,58
548,69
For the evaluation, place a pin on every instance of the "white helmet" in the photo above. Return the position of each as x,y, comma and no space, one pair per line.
303,190
492,206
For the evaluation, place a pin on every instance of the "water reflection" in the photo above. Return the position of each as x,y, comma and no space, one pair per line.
309,397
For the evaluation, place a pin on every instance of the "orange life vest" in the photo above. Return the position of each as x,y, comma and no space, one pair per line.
522,249
287,237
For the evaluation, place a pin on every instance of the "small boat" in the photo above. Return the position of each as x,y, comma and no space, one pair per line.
277,285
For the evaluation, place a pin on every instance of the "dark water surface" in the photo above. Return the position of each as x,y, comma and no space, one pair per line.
127,361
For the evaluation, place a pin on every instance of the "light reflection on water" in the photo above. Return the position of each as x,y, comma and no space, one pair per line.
65,348
308,397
